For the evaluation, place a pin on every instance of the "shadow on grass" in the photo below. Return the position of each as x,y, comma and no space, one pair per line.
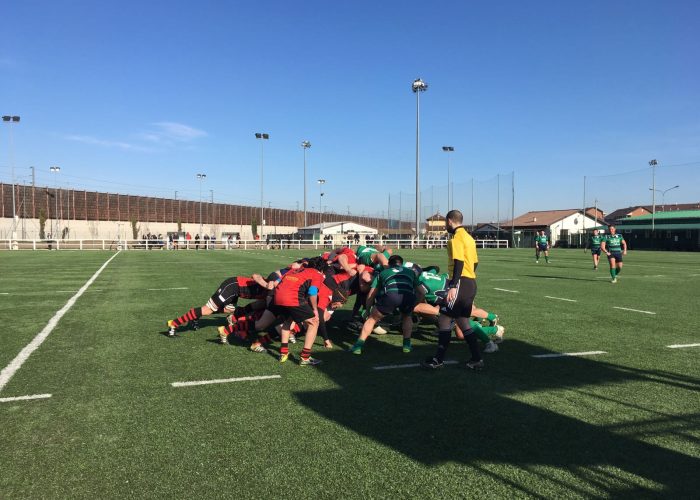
453,415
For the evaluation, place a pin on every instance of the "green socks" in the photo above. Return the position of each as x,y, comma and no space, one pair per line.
479,331
407,345
491,316
357,348
612,272
618,270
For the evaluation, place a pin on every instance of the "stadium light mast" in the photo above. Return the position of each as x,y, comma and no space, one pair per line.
55,170
653,164
201,178
418,87
263,137
305,145
11,119
321,182
448,150
663,195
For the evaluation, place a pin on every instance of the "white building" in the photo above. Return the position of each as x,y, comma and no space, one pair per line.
335,228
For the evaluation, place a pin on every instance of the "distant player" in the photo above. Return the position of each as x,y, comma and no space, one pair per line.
223,300
541,246
392,289
615,247
594,242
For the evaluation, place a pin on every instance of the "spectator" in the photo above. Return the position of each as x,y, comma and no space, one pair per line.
196,242
213,241
206,241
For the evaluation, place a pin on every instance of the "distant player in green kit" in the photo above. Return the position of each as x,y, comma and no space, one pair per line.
594,242
615,247
541,245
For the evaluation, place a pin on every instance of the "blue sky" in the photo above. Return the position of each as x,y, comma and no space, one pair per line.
140,96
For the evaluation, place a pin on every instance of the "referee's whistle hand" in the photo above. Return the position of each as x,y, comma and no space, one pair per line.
451,294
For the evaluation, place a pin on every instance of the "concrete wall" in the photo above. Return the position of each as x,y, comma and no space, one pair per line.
29,229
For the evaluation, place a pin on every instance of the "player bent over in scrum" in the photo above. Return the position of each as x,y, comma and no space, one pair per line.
223,300
394,288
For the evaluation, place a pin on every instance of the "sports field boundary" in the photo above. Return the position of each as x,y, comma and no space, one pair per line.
14,365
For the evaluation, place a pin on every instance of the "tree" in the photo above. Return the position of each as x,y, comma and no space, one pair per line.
135,229
42,224
254,227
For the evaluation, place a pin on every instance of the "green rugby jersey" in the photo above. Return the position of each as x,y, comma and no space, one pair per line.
364,254
595,241
541,240
431,283
613,242
396,280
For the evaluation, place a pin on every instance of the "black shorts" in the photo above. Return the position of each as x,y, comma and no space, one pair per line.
595,251
542,248
388,303
227,294
615,255
461,306
298,313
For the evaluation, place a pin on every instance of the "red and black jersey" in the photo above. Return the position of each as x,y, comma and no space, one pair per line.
294,288
348,252
249,289
325,295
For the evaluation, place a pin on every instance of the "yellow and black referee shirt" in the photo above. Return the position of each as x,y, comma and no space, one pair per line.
462,247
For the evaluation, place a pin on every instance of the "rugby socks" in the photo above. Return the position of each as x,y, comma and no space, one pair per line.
305,353
191,315
546,259
491,316
284,349
265,339
618,271
613,272
479,332
444,337
470,338
357,346
407,345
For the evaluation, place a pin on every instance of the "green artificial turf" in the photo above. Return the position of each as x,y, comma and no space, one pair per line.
621,424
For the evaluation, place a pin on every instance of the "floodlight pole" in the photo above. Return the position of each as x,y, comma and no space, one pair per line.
201,177
653,164
418,87
305,145
448,150
321,182
263,137
10,120
55,170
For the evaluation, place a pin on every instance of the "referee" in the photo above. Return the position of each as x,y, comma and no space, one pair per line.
461,290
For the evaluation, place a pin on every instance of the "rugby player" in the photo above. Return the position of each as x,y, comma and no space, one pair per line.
394,288
223,300
594,242
541,245
461,291
615,247
373,257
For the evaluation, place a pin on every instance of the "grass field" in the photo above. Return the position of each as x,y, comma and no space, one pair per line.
621,424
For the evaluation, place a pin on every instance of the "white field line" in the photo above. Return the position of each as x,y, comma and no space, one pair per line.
567,354
165,289
560,298
4,293
633,310
25,398
504,290
75,291
8,372
222,380
681,346
408,365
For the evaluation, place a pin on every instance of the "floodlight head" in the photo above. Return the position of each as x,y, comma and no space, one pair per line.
6,118
306,144
419,85
55,169
653,163
266,136
201,176
448,148
15,119
258,135
322,181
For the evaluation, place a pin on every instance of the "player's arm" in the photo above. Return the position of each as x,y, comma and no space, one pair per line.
343,261
380,258
313,298
604,247
624,247
259,280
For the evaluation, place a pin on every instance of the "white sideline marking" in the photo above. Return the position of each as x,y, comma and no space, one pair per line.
567,354
505,279
560,298
633,310
504,290
408,365
9,371
25,398
222,380
681,346
164,289
75,291
4,293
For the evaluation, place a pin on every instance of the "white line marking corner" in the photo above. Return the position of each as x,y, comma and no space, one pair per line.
222,380
25,398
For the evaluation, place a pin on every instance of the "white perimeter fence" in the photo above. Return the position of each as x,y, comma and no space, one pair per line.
219,245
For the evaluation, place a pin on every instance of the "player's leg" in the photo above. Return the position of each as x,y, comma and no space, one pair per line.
537,254
374,316
284,340
546,255
483,314
613,269
475,363
266,321
311,331
618,268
